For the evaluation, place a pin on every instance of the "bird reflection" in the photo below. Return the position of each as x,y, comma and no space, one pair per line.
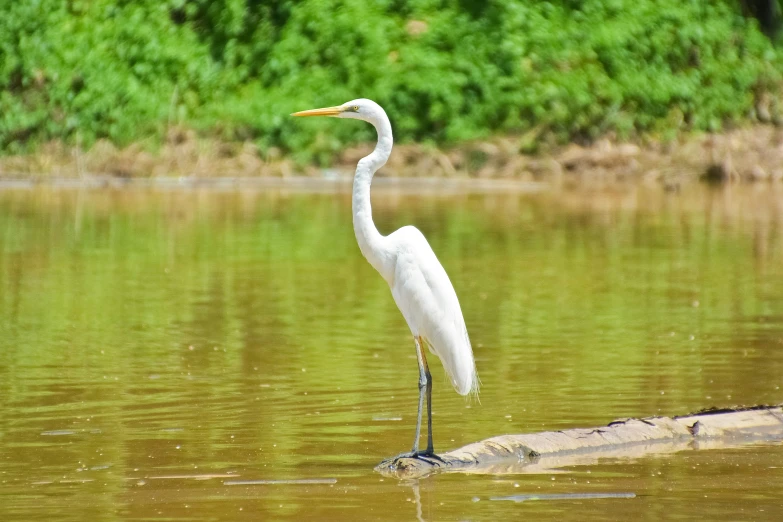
414,484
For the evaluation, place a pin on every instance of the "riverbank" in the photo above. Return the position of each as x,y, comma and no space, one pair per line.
749,154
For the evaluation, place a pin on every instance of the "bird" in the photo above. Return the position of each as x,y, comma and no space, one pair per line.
419,284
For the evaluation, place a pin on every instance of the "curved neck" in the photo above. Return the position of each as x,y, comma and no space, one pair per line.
371,242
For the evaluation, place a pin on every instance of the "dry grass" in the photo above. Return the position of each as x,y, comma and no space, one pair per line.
754,153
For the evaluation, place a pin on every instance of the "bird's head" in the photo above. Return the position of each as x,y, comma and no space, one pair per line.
360,109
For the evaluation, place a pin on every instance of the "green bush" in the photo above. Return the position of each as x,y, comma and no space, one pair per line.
446,71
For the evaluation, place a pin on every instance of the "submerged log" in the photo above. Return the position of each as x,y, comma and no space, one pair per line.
627,438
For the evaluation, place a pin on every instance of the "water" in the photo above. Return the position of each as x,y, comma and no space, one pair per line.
180,355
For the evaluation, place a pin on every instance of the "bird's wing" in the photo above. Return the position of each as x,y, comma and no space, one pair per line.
427,300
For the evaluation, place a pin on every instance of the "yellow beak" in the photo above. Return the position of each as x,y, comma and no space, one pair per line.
326,111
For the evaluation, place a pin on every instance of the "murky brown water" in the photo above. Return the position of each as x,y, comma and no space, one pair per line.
160,349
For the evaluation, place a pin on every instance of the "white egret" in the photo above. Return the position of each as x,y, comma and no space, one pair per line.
419,284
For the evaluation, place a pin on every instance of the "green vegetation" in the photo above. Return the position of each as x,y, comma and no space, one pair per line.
446,71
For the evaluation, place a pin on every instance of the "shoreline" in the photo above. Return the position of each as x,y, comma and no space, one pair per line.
342,184
752,153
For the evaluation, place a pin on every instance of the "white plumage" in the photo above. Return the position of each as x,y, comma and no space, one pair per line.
419,284
425,296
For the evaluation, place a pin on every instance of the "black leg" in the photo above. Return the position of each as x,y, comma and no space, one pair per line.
423,371
430,450
427,378
425,386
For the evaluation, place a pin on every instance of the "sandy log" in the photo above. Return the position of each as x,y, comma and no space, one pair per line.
626,438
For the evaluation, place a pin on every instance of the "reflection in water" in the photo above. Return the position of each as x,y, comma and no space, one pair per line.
417,498
152,336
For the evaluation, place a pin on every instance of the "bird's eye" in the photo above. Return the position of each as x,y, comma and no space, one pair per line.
355,108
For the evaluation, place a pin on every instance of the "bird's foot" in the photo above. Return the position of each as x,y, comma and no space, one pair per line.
427,456
402,464
430,454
